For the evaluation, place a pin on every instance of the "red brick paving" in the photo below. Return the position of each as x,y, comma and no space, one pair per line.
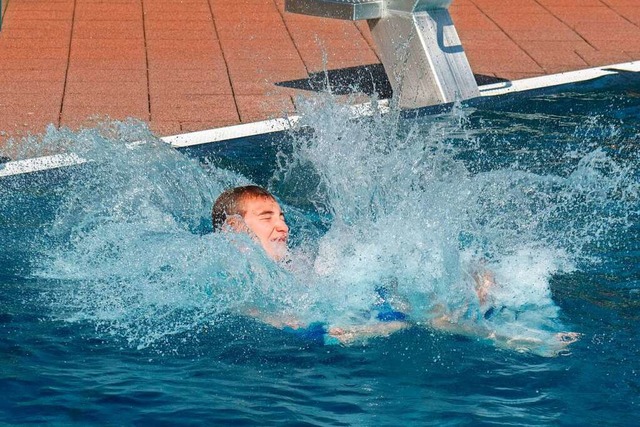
196,64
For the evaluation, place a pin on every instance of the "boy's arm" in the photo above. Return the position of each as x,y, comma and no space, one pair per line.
358,333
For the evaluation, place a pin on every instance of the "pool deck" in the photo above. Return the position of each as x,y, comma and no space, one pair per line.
188,65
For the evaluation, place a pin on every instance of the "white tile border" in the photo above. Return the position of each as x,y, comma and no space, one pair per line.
231,132
495,89
557,79
276,125
55,161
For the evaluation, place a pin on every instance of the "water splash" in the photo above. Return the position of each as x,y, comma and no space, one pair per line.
129,247
410,204
405,208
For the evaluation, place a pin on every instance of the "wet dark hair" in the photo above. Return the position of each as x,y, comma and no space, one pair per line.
230,203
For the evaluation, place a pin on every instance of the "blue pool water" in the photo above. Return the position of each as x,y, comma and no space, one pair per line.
119,306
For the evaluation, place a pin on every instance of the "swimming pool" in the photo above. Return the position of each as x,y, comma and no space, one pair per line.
118,304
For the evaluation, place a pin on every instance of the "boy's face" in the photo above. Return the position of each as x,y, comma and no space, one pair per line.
265,219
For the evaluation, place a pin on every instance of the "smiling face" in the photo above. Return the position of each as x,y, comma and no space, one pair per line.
264,218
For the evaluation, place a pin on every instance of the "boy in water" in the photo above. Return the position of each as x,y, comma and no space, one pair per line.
253,210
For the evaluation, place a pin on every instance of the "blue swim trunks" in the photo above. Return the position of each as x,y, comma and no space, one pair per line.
385,312
319,331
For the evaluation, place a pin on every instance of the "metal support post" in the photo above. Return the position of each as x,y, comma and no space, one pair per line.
417,42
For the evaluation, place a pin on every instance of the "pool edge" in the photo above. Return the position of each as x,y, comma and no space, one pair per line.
494,89
243,130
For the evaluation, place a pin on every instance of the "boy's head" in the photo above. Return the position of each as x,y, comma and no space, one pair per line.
253,210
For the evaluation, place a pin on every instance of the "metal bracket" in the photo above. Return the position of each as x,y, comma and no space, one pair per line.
417,43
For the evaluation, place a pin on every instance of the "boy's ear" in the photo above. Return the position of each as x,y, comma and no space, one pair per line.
236,223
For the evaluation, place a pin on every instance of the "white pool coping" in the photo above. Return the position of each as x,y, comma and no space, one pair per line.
276,125
36,164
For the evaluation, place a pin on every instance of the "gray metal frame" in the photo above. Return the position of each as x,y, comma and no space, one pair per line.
351,10
417,42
